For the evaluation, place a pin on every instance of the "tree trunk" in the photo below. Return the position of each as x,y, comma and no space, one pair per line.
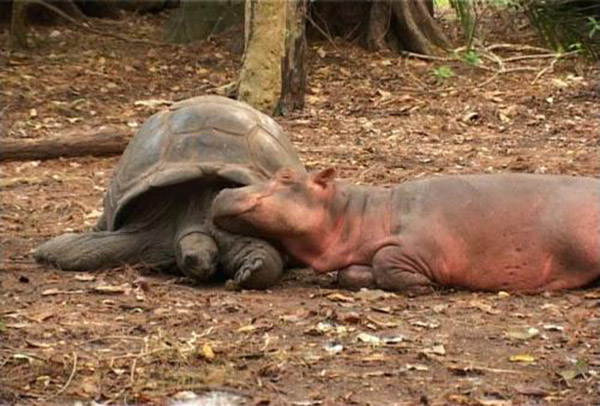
294,64
105,142
18,25
273,73
399,25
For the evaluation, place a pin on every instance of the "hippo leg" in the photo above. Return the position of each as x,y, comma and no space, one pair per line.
356,277
197,255
251,263
104,249
396,270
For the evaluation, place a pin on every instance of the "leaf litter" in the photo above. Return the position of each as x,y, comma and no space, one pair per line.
373,121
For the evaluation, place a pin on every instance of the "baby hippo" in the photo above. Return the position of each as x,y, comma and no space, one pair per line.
514,232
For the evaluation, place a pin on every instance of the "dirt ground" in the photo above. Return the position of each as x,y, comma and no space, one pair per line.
130,336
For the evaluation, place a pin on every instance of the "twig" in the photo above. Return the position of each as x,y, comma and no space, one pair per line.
426,57
325,34
516,47
416,79
66,385
132,374
93,30
529,57
543,71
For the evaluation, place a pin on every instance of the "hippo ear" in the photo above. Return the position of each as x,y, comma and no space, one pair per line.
324,177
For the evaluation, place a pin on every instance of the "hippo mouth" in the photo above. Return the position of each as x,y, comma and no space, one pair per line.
229,208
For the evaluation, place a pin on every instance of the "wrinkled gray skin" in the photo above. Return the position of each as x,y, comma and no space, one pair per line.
170,229
515,232
157,205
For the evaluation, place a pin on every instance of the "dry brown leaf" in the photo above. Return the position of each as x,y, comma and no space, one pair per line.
111,289
338,297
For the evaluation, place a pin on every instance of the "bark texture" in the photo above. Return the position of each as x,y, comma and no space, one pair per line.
18,25
99,143
272,78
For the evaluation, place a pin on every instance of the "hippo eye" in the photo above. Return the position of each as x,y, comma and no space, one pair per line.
286,177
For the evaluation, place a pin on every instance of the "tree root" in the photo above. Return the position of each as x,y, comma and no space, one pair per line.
396,25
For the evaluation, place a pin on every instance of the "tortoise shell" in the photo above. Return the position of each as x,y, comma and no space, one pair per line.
209,138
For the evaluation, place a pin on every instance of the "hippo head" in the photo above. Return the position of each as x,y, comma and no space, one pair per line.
290,204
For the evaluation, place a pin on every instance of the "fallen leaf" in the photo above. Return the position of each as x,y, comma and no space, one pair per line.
429,324
383,324
526,358
110,289
393,339
17,325
436,349
37,344
85,277
247,329
261,325
338,297
51,292
55,291
417,367
152,103
207,352
484,307
440,308
368,338
578,370
94,214
470,117
40,317
333,348
350,317
522,334
494,402
530,390
465,370
374,294
23,357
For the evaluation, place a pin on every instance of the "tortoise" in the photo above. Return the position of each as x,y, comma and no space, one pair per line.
157,204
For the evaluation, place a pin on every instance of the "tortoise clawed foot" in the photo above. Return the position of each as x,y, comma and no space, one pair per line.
255,264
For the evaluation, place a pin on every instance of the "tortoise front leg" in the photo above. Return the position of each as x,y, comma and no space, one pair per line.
251,263
104,249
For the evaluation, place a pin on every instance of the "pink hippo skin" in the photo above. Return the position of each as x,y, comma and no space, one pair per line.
515,232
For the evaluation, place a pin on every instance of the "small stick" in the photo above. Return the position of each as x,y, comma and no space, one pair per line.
66,385
546,69
517,47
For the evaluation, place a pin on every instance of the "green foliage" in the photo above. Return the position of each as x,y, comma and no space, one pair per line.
465,12
563,24
443,72
566,24
594,26
472,58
